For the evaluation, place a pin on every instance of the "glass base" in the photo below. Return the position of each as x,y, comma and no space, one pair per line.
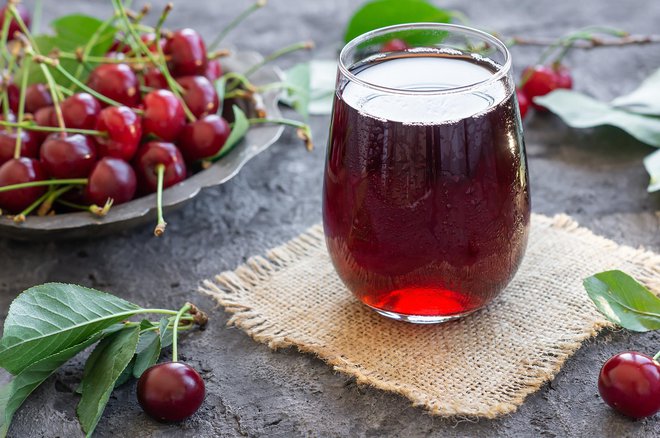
421,319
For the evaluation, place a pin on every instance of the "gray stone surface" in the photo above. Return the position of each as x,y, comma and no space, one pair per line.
596,176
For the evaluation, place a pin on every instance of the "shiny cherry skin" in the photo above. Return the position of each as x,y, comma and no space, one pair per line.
163,115
153,78
80,111
213,70
203,138
17,171
152,154
117,82
395,45
540,80
24,12
29,144
187,53
170,391
37,96
124,130
44,117
68,156
630,383
111,178
564,77
523,103
199,94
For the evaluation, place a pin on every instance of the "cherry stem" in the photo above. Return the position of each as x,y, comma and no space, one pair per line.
46,182
22,25
104,59
88,47
5,37
94,209
587,44
236,21
48,202
28,126
304,45
175,330
160,227
21,216
21,107
303,130
237,79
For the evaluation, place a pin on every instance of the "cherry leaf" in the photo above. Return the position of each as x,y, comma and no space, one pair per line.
147,353
240,127
645,99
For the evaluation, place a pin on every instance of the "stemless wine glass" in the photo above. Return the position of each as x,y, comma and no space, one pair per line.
426,204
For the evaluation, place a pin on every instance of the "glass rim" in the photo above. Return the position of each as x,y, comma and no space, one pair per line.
501,72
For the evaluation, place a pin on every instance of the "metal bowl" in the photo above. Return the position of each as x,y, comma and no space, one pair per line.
142,210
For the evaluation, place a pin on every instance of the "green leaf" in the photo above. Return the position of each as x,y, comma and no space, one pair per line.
652,165
52,317
125,375
14,393
298,81
381,13
624,301
147,353
580,111
78,29
311,87
240,128
102,370
165,333
645,99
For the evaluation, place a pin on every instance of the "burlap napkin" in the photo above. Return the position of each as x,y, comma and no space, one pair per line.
483,365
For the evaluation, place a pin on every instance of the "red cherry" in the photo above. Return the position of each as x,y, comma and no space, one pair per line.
523,103
37,96
540,80
117,82
171,391
152,154
150,40
111,178
124,129
564,78
187,52
630,383
163,115
199,94
68,156
13,24
13,95
213,70
44,117
203,138
18,171
154,78
118,47
80,111
395,45
29,144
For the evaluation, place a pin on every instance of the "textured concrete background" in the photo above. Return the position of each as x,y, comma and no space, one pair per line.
595,176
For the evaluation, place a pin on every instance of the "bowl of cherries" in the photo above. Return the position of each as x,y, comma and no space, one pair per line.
111,131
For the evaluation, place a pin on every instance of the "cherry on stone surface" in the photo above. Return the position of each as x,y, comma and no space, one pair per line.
111,178
117,82
37,96
23,11
199,94
151,155
163,115
395,45
170,391
187,53
203,138
213,70
630,383
154,78
18,171
124,130
68,156
29,144
80,111
523,103
540,80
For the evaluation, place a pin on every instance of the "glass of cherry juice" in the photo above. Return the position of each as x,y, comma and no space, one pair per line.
426,203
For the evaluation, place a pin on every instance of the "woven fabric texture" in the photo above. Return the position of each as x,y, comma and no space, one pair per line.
483,365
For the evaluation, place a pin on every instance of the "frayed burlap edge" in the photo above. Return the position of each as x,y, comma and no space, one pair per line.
230,289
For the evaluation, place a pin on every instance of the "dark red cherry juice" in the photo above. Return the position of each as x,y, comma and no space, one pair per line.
426,206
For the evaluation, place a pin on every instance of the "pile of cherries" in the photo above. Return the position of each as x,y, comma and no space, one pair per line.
149,138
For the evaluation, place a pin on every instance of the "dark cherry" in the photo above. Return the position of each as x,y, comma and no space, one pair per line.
37,96
630,383
152,154
124,129
117,82
13,95
213,70
17,171
68,156
540,80
170,391
153,78
523,103
24,12
118,47
111,178
395,45
199,94
203,138
29,144
44,117
187,53
163,115
80,111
